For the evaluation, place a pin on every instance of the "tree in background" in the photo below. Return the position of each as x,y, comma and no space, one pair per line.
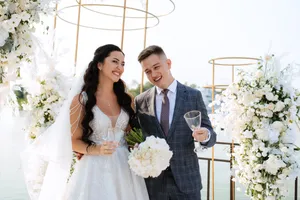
193,85
136,90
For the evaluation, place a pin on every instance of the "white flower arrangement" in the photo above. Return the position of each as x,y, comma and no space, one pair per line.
18,20
150,157
44,102
261,111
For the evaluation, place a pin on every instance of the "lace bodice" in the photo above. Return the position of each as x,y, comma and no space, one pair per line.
103,123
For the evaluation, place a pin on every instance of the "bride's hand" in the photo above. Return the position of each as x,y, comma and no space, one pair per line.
78,155
108,148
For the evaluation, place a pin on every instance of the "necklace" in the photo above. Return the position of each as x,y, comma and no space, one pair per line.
107,102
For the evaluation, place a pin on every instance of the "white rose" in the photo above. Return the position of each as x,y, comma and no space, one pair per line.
284,149
277,125
259,93
270,106
250,114
253,84
267,88
259,74
24,16
248,134
52,99
273,136
270,96
8,26
273,164
269,113
279,106
15,20
262,134
3,36
12,7
248,98
48,87
258,187
265,152
258,155
288,101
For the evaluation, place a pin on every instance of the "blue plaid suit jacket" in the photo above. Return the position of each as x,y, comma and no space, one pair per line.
184,163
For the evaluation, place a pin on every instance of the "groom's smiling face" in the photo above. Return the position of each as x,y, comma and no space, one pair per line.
157,68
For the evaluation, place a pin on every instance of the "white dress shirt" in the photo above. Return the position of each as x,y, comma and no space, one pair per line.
172,99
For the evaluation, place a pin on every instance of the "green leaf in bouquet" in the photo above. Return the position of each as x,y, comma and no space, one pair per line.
135,136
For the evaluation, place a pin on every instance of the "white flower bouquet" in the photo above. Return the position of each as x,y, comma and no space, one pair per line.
150,157
261,111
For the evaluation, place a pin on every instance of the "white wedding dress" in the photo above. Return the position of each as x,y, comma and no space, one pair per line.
106,177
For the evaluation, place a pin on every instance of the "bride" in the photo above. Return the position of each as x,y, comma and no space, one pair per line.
92,122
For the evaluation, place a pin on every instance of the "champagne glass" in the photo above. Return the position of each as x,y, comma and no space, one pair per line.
193,119
119,136
108,136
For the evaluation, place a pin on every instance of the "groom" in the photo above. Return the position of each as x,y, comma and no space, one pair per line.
160,112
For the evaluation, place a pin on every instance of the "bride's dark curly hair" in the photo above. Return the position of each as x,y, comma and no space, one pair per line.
91,81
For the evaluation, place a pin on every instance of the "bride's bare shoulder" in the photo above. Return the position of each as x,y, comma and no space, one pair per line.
78,99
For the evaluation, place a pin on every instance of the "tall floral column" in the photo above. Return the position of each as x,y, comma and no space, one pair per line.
262,110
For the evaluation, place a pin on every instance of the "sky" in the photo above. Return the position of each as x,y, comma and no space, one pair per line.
197,31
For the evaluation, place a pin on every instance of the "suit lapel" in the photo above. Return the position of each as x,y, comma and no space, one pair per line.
151,102
179,102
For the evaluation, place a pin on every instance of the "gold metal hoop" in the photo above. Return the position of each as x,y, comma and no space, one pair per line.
155,15
253,61
107,5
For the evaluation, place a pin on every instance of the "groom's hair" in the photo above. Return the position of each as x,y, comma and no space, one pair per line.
153,49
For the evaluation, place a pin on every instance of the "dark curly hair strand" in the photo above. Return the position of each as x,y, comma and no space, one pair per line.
91,81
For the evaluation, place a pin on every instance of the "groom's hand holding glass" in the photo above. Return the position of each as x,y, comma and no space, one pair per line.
200,134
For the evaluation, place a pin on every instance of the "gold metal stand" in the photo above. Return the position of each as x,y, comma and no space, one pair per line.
145,41
100,3
123,23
